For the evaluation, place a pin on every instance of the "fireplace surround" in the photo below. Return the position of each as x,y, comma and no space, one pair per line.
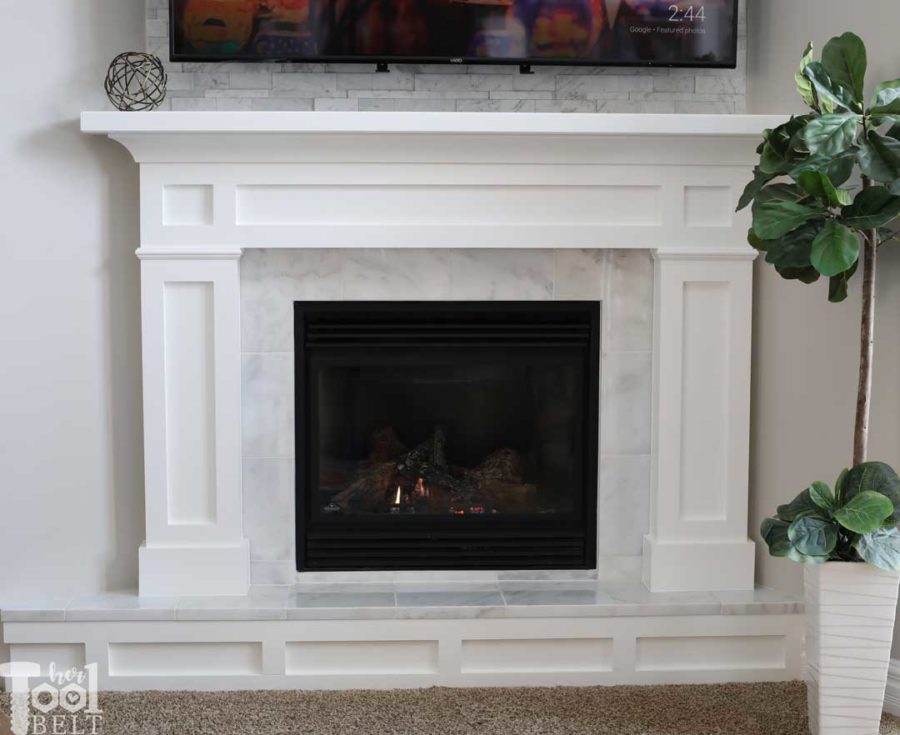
446,435
215,185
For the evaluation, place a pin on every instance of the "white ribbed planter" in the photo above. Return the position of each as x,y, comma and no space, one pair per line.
849,624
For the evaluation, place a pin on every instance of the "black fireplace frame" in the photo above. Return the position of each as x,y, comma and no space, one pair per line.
556,543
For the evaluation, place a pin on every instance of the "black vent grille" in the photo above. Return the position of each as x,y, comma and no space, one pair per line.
408,328
343,551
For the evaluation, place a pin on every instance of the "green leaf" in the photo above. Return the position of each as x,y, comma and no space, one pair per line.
844,197
880,548
835,249
831,95
804,86
875,477
817,184
837,287
804,275
879,158
781,192
886,100
790,254
795,555
872,208
865,512
775,218
839,487
799,506
813,536
774,161
844,58
839,169
774,533
759,244
780,150
760,179
821,495
831,135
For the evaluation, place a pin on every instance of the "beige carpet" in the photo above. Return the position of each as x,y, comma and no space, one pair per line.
726,709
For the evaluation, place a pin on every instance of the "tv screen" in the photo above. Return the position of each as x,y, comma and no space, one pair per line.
590,32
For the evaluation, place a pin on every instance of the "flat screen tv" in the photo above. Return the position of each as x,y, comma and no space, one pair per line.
701,33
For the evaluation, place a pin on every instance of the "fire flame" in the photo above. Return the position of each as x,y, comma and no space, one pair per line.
397,497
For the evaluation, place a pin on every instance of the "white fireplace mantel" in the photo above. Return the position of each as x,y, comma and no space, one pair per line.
215,184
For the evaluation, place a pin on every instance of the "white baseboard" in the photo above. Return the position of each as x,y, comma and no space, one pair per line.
892,692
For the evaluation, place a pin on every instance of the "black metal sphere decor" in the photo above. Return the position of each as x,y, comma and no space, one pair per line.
136,81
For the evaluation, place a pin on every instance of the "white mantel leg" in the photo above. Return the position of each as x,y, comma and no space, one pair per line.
701,403
190,309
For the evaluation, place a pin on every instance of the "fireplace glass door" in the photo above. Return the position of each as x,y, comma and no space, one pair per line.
446,435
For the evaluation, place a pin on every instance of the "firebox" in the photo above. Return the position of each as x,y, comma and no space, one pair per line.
446,435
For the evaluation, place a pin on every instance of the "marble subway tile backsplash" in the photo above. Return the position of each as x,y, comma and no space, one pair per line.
444,88
271,280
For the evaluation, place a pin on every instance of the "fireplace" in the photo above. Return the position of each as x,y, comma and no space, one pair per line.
549,203
446,435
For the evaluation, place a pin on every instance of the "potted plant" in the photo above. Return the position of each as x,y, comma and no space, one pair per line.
825,195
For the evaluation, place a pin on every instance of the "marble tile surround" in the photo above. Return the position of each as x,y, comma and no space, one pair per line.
271,280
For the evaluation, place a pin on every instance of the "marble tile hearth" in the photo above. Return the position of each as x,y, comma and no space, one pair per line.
504,598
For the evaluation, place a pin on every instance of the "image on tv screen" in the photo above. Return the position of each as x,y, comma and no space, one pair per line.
526,31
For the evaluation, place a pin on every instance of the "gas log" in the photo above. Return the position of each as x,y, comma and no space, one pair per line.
428,483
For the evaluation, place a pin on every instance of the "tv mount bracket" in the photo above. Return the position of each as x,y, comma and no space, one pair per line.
383,68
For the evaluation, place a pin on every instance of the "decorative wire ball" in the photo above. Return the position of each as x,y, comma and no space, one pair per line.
136,81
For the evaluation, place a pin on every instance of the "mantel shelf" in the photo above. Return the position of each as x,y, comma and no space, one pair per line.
113,123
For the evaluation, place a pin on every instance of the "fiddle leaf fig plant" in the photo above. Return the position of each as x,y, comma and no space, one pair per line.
855,522
825,197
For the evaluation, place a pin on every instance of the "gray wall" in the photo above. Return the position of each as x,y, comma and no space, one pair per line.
196,86
71,473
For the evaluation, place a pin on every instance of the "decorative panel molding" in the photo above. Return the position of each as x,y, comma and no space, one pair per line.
479,204
549,655
222,658
454,651
361,657
705,367
190,402
711,653
701,423
190,312
708,206
184,204
438,180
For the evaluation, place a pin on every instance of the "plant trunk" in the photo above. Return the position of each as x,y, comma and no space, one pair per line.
866,344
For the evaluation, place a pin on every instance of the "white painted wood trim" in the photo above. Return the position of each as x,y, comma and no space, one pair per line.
214,184
495,123
190,312
400,653
701,425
